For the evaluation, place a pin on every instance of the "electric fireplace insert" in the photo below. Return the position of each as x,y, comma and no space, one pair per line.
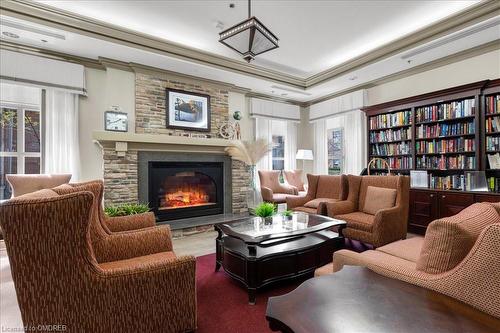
185,189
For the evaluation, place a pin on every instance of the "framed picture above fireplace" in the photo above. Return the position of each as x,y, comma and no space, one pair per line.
187,110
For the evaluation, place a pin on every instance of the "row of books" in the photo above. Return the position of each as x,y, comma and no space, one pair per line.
446,146
390,120
404,162
493,184
492,143
493,124
452,110
492,104
390,135
446,162
436,130
454,182
391,148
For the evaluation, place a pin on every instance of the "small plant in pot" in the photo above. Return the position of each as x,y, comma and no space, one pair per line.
287,214
266,210
126,209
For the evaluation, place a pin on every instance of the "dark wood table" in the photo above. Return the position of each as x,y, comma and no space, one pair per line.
259,253
356,299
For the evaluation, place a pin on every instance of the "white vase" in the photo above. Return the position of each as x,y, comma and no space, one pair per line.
253,196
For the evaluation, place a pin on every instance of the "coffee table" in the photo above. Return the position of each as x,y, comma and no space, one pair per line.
257,252
356,299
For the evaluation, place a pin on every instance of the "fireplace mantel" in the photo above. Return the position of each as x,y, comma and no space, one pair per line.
125,141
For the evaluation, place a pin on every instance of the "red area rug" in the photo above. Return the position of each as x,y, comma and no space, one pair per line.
223,302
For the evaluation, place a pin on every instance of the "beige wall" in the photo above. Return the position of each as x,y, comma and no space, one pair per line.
305,139
239,102
104,89
482,67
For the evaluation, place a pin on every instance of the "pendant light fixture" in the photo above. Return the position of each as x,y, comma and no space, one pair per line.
249,38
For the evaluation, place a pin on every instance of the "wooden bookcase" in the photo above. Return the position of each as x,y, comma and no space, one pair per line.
443,133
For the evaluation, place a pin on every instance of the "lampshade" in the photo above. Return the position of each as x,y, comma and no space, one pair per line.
304,154
249,38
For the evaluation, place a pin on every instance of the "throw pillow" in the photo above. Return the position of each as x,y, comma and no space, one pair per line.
378,198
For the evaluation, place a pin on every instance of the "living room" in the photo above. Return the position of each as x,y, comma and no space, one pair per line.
250,166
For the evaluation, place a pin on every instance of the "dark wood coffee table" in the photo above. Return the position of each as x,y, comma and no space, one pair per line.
356,299
258,254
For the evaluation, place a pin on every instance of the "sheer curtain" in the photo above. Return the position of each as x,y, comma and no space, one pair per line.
61,150
263,131
320,148
353,124
290,145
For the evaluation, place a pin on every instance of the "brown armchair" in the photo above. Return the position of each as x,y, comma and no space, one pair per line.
322,189
294,178
59,281
271,188
111,246
368,223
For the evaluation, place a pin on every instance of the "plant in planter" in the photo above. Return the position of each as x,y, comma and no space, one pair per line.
126,209
266,210
287,214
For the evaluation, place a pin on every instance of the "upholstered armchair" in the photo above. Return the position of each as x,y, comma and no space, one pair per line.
118,223
376,209
21,184
459,257
59,281
111,246
322,189
271,188
294,178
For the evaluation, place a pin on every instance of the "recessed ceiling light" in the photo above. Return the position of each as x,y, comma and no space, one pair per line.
10,34
352,78
231,5
44,41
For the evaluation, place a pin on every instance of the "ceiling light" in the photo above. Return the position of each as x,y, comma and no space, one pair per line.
249,38
10,34
352,78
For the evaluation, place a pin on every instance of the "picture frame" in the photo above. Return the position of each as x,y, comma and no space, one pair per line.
116,121
187,110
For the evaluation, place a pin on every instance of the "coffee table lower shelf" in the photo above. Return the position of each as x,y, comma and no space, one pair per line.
267,263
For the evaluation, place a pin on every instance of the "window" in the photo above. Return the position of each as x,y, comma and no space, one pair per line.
278,153
20,143
335,151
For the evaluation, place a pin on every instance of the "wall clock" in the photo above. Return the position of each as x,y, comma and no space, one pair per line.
115,121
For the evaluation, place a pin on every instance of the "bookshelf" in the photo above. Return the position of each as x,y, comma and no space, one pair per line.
444,133
491,131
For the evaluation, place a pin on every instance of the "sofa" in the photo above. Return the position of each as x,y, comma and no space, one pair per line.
376,209
322,189
271,188
459,257
139,285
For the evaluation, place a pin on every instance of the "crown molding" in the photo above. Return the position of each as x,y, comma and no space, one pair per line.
56,18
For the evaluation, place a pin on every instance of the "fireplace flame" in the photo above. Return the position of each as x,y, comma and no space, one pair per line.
189,197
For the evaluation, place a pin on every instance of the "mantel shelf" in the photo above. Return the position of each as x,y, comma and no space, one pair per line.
103,136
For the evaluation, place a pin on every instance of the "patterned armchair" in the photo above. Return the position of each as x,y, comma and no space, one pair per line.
459,257
376,209
322,189
271,188
59,281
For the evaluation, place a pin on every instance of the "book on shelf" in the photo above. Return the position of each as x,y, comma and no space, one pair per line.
389,135
494,161
492,104
445,111
493,184
457,145
454,182
493,124
446,162
404,162
384,149
492,143
382,121
438,130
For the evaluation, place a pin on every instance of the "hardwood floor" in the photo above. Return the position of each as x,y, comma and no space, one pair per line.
10,316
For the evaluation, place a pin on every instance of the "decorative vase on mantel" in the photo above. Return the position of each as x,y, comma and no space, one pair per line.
253,195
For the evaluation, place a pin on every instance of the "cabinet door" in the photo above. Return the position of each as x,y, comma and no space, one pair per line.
423,209
452,203
487,198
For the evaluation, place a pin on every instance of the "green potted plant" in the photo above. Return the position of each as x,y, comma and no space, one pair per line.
287,214
126,209
265,211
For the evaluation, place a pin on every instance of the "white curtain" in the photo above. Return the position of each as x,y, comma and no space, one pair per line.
320,148
354,128
290,145
263,131
61,150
